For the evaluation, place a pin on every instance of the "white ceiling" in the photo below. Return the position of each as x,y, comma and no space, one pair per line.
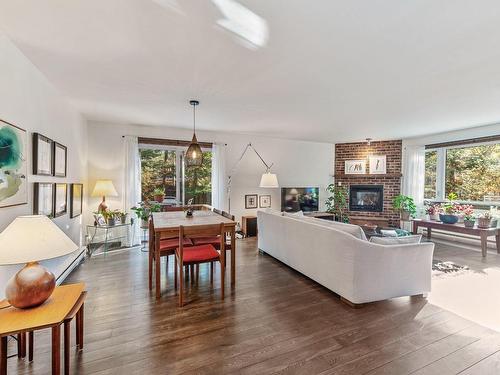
331,70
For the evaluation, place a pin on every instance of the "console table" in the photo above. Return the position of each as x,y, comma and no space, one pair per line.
483,234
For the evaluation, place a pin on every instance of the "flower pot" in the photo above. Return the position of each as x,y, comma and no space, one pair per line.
111,221
483,222
159,198
434,217
469,223
460,218
144,223
448,219
405,215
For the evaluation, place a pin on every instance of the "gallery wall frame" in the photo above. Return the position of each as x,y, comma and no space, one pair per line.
75,200
60,199
59,159
43,163
43,199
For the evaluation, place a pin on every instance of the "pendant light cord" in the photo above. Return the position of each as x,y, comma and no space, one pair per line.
194,118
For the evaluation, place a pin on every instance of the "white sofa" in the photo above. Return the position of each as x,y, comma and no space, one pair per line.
339,257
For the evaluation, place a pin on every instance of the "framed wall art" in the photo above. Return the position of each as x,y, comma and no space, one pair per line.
75,200
60,199
42,155
13,165
60,157
378,164
355,166
264,201
250,201
43,199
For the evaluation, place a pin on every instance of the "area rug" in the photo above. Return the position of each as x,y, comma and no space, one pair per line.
440,268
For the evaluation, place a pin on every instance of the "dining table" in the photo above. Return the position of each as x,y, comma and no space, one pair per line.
167,224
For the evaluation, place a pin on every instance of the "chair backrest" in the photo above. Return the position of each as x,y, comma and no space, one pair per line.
217,211
228,215
173,208
201,230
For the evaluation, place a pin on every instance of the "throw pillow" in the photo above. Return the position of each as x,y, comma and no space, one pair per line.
396,240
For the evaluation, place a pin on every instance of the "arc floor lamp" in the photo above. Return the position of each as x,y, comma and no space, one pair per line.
268,179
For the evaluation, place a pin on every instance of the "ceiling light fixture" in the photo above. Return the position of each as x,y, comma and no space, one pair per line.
369,141
194,155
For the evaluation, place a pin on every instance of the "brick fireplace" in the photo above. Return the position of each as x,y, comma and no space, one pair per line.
390,182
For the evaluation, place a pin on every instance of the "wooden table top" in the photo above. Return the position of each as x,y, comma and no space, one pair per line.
50,313
457,227
173,220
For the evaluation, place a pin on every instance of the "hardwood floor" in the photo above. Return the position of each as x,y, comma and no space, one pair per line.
275,321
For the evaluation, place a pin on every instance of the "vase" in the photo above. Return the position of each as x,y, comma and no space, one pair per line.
448,219
461,218
111,221
405,215
483,222
434,217
144,223
469,223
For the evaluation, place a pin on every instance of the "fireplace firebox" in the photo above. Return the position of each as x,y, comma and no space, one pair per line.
366,198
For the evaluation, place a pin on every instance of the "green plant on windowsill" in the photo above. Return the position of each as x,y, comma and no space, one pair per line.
336,203
145,209
158,194
405,205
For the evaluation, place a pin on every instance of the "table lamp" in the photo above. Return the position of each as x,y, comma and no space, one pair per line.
101,189
30,239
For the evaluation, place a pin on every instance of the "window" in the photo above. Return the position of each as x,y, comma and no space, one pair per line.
163,168
472,172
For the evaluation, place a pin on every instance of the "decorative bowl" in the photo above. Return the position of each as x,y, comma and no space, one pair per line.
448,219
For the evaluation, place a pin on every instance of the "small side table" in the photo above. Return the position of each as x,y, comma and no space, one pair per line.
144,248
52,314
108,235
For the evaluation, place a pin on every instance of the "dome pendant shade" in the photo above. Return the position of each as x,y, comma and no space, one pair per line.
194,155
269,180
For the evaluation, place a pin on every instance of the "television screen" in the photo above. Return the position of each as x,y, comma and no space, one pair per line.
299,199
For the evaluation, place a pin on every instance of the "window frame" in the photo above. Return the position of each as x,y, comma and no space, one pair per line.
441,172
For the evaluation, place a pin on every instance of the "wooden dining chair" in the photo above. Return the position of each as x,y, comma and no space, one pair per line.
167,247
196,255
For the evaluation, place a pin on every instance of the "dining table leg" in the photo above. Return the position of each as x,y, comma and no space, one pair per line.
233,258
3,355
56,350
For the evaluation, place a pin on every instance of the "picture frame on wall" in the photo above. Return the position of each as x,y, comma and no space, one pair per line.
75,200
378,164
264,201
60,158
250,201
355,166
60,199
13,165
42,155
43,199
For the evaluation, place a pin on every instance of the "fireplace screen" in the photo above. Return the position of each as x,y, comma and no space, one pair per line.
366,198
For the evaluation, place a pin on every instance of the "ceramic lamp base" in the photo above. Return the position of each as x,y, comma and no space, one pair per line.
30,286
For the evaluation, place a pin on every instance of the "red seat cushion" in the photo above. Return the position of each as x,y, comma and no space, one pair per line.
173,243
201,253
207,240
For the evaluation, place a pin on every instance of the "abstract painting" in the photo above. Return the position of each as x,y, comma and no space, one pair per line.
13,166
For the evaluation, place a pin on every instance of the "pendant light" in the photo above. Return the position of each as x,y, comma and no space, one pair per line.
194,155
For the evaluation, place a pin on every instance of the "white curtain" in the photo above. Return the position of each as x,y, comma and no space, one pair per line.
132,186
219,179
414,173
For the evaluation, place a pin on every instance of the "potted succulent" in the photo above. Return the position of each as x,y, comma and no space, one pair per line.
405,205
484,220
433,212
144,209
337,202
469,219
110,217
158,194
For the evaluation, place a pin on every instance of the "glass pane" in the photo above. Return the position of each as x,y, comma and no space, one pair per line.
198,181
158,172
430,174
473,173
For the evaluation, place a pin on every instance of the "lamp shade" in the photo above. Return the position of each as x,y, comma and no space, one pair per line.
194,155
269,180
31,239
104,188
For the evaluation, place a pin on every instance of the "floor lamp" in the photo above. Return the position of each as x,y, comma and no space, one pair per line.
268,179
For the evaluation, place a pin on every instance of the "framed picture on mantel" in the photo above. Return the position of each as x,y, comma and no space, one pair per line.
378,164
355,166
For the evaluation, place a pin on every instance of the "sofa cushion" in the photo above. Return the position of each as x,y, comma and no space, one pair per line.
396,240
294,214
355,230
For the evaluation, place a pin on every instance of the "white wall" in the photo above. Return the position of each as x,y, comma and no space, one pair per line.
296,163
29,101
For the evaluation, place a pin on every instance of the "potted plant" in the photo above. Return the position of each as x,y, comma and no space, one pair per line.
469,219
450,209
158,194
433,211
405,205
110,217
144,209
337,202
484,220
